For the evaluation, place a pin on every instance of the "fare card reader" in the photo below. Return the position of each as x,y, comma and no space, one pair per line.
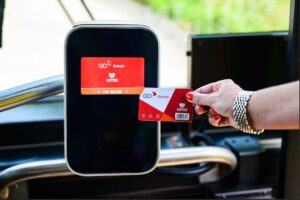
107,66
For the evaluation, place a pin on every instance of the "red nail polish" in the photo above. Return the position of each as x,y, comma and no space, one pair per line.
217,117
189,96
213,111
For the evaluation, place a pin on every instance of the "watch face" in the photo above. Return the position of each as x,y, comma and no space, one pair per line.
106,69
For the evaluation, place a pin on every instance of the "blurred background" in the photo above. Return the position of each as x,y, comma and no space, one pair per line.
33,31
32,37
229,16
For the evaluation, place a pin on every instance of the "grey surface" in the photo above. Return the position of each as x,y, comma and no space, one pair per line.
292,171
292,145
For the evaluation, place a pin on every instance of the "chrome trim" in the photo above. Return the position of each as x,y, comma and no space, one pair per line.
170,157
30,92
32,170
274,143
190,155
265,193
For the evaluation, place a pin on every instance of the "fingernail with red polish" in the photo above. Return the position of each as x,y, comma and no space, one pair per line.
217,117
213,111
189,96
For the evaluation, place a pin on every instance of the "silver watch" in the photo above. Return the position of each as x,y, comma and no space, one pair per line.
240,112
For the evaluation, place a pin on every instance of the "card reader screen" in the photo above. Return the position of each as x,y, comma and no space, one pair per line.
112,75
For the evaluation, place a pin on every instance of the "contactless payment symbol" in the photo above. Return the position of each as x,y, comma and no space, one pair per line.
112,75
165,104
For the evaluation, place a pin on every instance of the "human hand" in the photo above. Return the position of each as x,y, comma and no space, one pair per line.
217,99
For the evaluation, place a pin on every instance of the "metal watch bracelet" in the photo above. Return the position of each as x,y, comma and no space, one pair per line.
240,112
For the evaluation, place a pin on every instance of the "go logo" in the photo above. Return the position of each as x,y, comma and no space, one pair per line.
104,65
148,96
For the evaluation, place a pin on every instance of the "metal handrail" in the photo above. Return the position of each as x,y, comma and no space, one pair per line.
53,168
30,92
170,157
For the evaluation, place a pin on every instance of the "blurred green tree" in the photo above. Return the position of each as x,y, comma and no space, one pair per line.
225,16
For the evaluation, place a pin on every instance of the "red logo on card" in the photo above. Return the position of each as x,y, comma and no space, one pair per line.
112,75
165,104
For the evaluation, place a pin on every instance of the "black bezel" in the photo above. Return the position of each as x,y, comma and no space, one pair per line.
96,141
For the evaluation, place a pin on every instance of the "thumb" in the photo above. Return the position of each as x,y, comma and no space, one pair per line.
199,98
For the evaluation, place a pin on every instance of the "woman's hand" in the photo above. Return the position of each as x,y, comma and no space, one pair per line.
217,99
